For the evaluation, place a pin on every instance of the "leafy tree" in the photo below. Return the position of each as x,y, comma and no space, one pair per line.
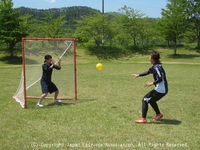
174,21
12,26
49,27
144,30
153,36
115,35
133,23
92,28
193,10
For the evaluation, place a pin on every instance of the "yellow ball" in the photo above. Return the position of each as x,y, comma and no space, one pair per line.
99,66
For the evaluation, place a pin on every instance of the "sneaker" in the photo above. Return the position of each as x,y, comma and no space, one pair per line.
141,120
57,101
158,117
39,104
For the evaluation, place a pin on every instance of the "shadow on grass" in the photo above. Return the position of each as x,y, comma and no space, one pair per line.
71,102
84,100
16,60
60,104
108,52
167,122
11,60
32,103
183,56
142,50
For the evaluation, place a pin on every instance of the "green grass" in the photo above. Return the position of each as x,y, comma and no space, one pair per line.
108,103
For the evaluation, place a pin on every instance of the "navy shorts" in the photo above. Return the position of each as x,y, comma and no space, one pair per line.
48,87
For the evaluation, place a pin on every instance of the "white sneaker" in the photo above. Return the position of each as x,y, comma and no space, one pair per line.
39,104
57,101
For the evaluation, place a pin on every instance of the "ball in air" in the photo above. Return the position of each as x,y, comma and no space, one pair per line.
99,66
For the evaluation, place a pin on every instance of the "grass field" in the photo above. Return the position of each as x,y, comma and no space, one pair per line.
108,103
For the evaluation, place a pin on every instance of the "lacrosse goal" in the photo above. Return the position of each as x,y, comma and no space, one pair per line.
33,52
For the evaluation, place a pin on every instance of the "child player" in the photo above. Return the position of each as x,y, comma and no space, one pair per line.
46,84
161,87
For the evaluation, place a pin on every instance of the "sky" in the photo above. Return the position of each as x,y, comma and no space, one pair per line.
151,8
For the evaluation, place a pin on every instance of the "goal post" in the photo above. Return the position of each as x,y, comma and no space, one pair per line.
33,52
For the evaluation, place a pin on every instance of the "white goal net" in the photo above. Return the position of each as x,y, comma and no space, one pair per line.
33,52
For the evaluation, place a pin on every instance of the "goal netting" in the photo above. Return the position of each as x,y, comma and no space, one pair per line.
33,52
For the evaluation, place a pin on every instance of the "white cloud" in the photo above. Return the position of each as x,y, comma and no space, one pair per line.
51,1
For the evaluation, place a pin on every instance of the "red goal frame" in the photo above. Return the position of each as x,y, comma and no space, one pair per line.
24,68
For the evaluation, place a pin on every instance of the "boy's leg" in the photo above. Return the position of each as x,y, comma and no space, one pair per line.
56,97
56,94
44,87
53,88
153,101
40,100
42,97
144,108
145,100
155,107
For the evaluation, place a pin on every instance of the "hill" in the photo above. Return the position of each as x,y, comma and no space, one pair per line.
71,13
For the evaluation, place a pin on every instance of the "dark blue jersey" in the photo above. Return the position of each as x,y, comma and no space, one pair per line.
47,72
159,76
160,80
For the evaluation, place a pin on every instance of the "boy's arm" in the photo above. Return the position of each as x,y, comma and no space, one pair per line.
59,63
144,73
58,67
141,74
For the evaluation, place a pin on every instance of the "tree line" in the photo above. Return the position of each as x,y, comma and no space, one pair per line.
128,27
